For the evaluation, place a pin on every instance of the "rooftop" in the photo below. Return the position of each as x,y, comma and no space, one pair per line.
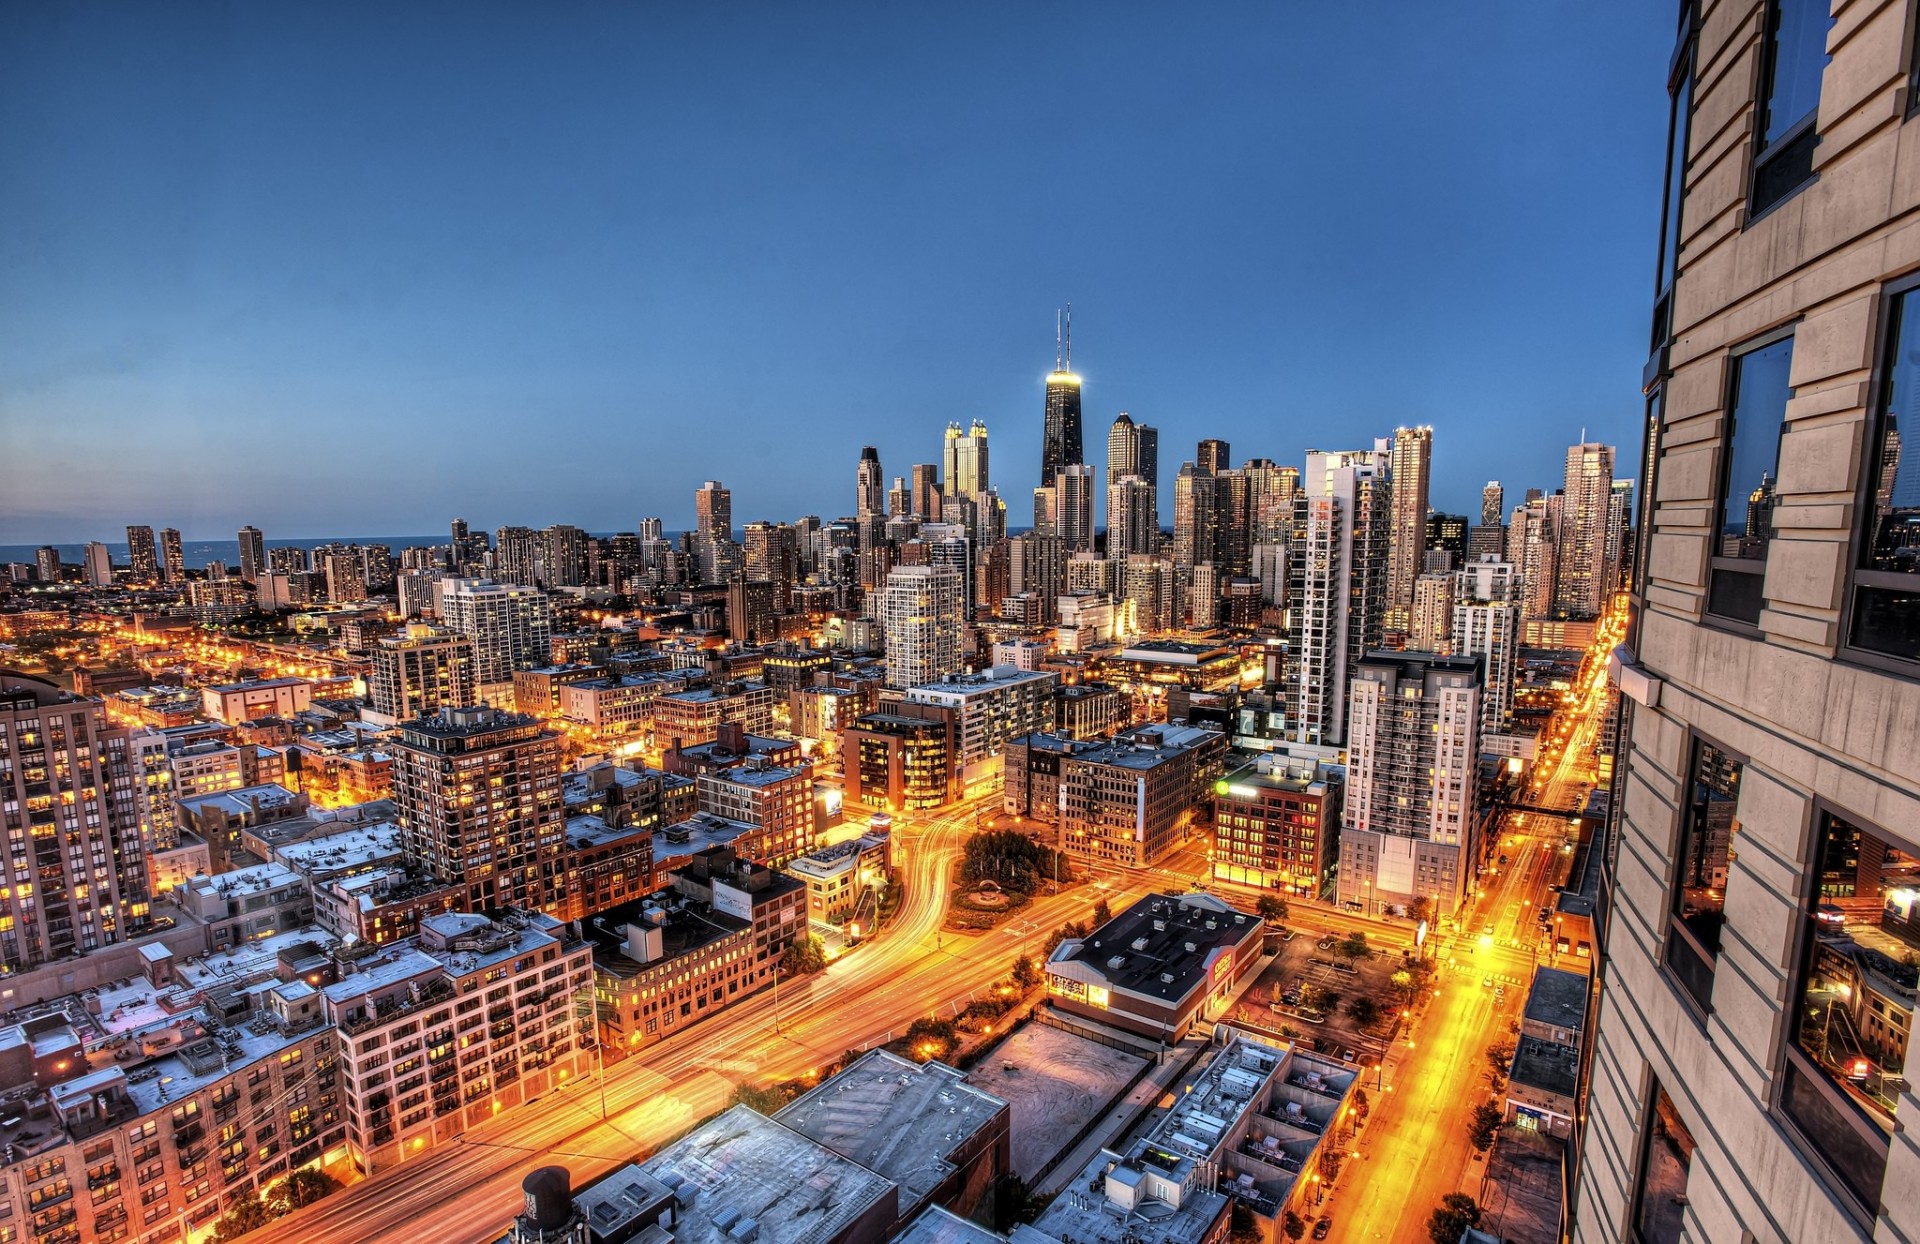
1545,1065
898,1118
1558,999
965,686
1162,947
743,1166
934,1225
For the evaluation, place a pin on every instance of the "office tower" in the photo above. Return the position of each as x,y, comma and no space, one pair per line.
1410,470
1046,510
511,627
253,553
75,877
1060,444
899,498
1128,452
1213,457
1619,536
1233,522
1407,826
1752,1072
1133,517
1533,546
1582,587
1073,513
46,563
1493,505
562,551
99,565
1447,532
1196,514
869,487
418,672
1037,566
1486,624
713,532
1149,594
1430,628
922,609
173,561
926,489
1337,585
142,563
477,793
965,459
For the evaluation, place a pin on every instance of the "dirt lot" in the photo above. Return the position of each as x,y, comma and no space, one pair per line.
1314,962
1055,1083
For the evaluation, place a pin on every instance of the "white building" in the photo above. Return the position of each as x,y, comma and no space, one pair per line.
1337,592
1407,825
1486,624
922,609
511,628
419,672
988,709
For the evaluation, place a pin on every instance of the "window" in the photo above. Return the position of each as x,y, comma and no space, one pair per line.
1661,1213
1886,586
1795,57
1700,870
1680,113
1853,1012
1750,465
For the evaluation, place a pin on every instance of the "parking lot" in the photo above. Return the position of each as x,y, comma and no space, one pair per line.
1309,988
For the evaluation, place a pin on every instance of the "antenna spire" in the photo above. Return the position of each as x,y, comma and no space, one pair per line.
1057,365
1069,338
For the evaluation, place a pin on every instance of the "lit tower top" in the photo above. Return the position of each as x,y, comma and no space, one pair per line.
1060,447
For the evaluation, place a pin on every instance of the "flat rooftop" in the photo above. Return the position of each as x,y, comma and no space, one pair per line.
898,1118
965,686
1161,947
934,1225
1558,998
743,1165
1544,1065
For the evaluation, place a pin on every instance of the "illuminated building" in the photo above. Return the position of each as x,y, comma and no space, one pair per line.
1409,825
713,534
895,760
776,798
1127,799
696,715
143,563
1060,437
989,708
253,553
1410,469
1486,624
844,882
923,610
964,456
1276,830
869,490
263,697
1583,586
1133,449
1336,596
173,562
419,672
99,565
1156,968
75,879
511,627
46,564
1133,517
1430,628
1073,508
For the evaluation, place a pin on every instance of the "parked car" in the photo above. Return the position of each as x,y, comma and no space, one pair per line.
1321,1228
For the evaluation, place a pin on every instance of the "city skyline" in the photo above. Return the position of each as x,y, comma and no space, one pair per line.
273,308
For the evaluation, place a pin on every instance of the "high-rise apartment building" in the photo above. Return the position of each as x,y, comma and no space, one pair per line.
511,627
1133,517
964,456
419,672
713,532
253,553
477,792
1337,586
1411,470
99,563
562,557
46,564
1430,626
869,485
1493,504
1060,443
923,610
1533,547
899,498
1583,585
1486,624
143,562
1750,1076
1037,565
926,490
1413,750
1213,456
1073,508
1196,516
74,879
173,561
1133,449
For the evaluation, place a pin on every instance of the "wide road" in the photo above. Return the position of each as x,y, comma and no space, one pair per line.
1414,1149
468,1191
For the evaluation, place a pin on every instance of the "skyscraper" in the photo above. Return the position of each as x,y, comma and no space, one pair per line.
173,562
899,498
142,562
76,876
1337,586
511,627
1486,624
965,457
46,563
253,553
1407,824
1583,586
713,542
926,490
1133,517
869,486
1196,514
1060,444
419,672
1213,456
99,563
1073,508
1411,466
1123,449
1493,507
922,610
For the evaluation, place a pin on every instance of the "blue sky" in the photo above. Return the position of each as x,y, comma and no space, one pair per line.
348,269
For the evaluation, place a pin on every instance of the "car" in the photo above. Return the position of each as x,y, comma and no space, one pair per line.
1487,983
1321,1228
1503,860
1827,913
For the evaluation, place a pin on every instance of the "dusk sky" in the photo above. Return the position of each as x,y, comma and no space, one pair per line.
357,269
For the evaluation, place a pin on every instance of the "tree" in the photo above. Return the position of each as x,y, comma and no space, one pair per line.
1071,929
1101,913
1241,1228
1364,1011
1421,908
1272,908
1451,1218
1025,975
1500,1057
804,955
248,1215
1011,860
1361,1103
1484,1122
1403,981
304,1187
1293,1225
764,1098
1354,946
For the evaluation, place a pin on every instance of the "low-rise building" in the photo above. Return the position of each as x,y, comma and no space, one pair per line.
1276,829
1543,1080
988,709
265,697
1090,710
777,798
1157,967
695,716
844,882
894,760
1130,799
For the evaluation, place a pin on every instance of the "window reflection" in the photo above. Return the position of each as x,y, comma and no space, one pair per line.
1663,1175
